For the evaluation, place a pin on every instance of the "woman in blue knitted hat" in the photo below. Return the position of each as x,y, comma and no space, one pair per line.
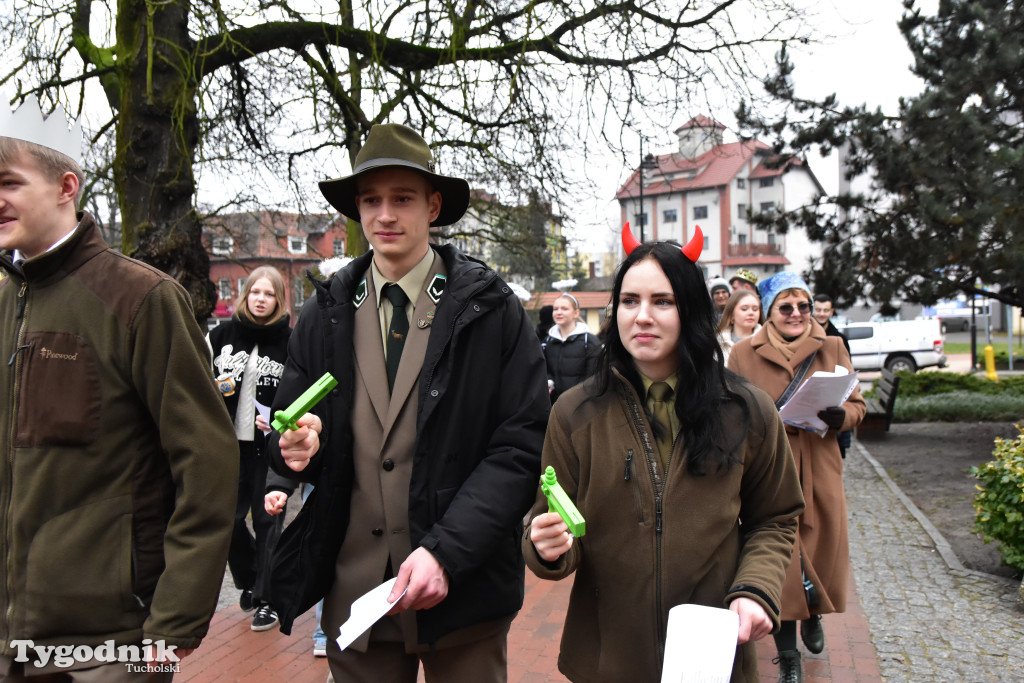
790,347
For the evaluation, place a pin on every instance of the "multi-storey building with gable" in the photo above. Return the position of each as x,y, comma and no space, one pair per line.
294,244
718,186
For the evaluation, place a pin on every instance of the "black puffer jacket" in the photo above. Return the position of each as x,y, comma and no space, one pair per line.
482,413
572,360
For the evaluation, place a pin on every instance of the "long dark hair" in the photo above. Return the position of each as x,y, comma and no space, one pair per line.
705,386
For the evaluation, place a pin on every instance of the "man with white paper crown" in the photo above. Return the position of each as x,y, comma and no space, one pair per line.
118,456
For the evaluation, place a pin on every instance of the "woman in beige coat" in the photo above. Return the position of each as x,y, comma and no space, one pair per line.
818,573
698,505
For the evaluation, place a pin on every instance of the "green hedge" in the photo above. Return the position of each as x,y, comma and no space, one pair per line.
958,406
931,383
953,397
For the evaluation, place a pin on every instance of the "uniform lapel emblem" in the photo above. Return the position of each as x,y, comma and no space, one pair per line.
360,296
436,287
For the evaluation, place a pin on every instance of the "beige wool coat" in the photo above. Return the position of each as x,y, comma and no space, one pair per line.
822,540
654,541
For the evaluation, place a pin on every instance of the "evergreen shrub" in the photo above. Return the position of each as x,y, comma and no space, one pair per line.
999,503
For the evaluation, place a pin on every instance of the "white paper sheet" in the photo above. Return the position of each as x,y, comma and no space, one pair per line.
700,644
264,411
366,611
821,390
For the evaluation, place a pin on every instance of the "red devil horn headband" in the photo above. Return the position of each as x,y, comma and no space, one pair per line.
691,250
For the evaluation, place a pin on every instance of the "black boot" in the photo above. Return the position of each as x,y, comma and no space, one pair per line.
789,667
813,634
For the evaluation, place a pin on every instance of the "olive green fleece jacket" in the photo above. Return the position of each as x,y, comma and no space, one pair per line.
118,461
717,537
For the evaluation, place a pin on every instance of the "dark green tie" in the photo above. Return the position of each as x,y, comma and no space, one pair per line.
658,395
397,330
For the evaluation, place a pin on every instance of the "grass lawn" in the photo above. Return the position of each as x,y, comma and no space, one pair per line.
998,346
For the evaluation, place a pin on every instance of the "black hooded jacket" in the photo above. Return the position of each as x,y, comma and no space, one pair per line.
482,414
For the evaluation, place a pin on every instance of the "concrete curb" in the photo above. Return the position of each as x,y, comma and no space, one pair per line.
942,546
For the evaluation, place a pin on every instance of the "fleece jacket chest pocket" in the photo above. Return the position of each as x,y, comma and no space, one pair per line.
58,391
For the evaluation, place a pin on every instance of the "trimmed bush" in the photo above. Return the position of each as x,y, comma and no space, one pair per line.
958,406
999,503
931,383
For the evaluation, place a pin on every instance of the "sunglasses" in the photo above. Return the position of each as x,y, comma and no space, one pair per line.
787,309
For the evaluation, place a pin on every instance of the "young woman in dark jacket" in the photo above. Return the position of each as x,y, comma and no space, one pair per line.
249,352
570,350
683,474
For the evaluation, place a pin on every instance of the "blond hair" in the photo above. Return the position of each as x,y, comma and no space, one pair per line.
51,163
276,281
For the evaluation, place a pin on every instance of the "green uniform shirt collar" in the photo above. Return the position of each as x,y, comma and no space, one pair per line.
412,283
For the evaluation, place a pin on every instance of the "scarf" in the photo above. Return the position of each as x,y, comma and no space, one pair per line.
787,348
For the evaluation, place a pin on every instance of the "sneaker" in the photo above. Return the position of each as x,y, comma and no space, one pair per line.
264,619
245,601
320,648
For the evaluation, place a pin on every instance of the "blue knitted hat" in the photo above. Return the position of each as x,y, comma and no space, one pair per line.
780,282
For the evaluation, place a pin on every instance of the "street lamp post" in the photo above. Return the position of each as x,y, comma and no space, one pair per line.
647,163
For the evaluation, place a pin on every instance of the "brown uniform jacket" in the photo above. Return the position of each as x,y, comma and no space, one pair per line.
650,547
822,539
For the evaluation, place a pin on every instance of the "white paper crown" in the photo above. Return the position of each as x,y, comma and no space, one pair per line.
27,123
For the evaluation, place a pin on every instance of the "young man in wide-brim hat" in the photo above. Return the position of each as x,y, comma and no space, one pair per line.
427,454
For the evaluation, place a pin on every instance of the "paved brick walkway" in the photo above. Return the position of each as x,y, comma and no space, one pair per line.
914,614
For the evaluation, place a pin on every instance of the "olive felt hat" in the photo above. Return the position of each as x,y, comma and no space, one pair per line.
396,146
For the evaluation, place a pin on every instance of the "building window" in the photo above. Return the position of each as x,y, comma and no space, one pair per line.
224,289
241,283
741,211
700,212
767,207
767,182
671,216
741,183
222,246
741,239
641,219
771,238
707,243
339,246
297,245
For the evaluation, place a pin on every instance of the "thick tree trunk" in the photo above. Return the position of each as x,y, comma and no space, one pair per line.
157,134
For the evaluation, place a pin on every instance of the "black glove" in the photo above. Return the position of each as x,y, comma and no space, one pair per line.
833,417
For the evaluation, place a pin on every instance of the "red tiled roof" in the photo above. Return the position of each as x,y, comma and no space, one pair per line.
263,234
700,121
765,170
717,166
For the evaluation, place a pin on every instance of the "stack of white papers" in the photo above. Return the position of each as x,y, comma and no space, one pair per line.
700,644
821,390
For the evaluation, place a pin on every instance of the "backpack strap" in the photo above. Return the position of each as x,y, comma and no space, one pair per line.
797,379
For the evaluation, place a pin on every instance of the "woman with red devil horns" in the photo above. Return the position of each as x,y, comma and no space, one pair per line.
664,453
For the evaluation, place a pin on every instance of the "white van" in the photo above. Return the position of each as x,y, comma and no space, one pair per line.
897,345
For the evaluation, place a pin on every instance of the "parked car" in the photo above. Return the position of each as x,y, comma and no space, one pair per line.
955,323
898,345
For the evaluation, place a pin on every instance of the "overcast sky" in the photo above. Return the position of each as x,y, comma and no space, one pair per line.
866,60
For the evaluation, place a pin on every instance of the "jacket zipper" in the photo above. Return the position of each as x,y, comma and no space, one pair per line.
645,437
14,361
628,476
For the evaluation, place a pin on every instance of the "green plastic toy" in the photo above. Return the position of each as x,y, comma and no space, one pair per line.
558,501
286,419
